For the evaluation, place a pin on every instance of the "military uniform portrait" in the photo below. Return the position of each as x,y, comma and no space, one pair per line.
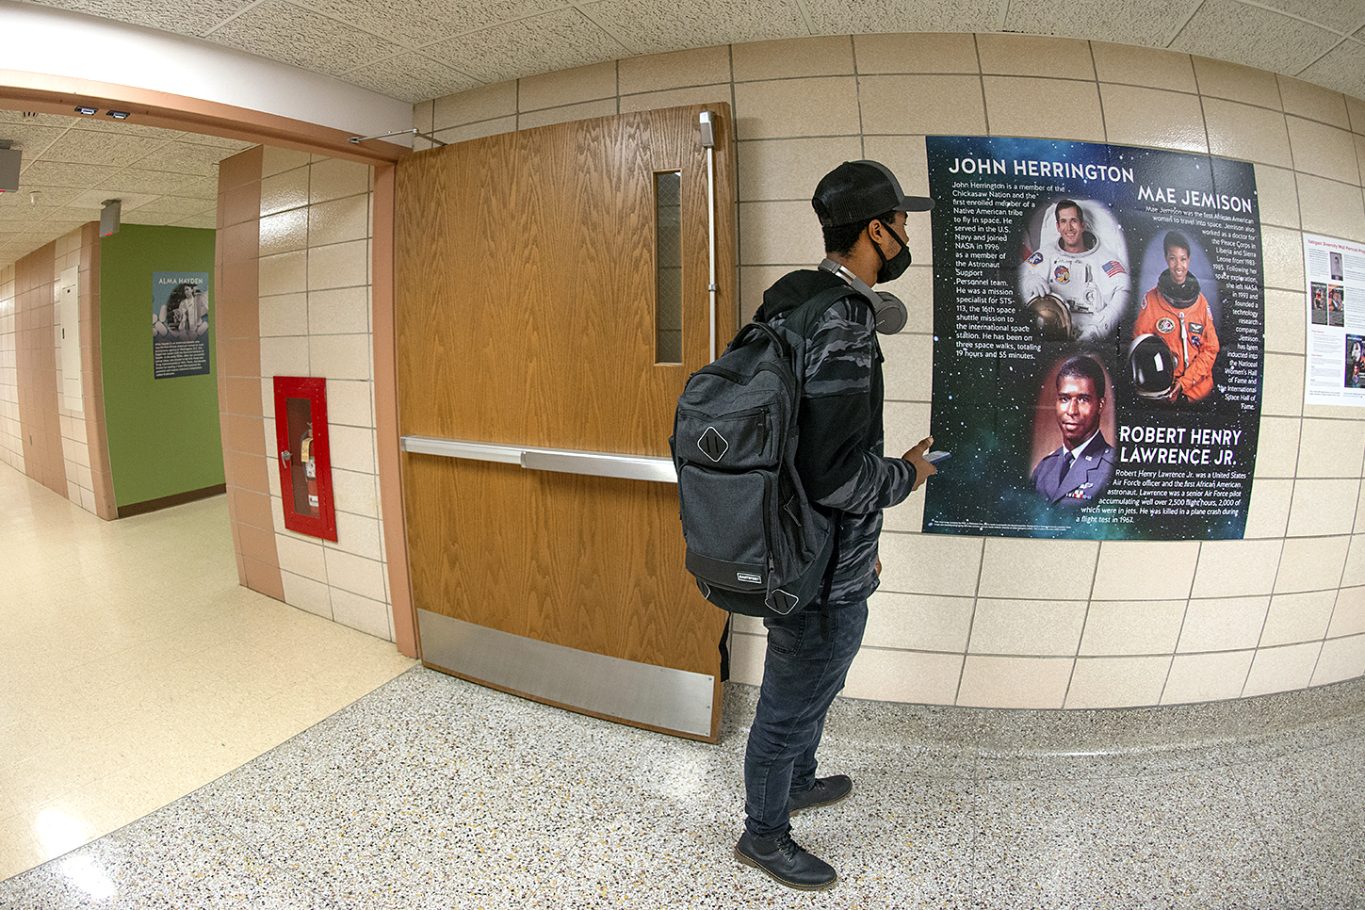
1074,414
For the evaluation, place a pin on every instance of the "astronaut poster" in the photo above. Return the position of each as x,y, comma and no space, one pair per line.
1334,271
180,324
1098,319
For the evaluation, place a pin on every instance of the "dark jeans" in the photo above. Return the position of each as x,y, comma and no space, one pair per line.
803,673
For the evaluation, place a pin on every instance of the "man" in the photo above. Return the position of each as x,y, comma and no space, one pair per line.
1077,473
1176,312
862,211
1082,272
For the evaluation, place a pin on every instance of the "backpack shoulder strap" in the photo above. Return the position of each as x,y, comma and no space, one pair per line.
804,317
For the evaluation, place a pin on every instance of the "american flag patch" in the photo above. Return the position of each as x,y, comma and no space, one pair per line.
1113,267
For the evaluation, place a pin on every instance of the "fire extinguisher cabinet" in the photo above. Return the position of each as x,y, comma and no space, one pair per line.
304,455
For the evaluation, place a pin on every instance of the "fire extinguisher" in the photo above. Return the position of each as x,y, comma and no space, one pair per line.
310,465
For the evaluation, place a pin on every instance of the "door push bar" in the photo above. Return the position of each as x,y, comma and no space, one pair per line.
564,461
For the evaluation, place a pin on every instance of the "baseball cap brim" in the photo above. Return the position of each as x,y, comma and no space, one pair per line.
915,204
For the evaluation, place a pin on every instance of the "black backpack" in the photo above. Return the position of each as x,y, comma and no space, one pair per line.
755,542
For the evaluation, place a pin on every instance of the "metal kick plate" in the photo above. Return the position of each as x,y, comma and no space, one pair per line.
641,693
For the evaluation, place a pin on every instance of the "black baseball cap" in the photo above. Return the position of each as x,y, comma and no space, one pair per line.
861,190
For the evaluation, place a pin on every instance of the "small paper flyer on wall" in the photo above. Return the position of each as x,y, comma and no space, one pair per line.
1098,319
180,324
1334,272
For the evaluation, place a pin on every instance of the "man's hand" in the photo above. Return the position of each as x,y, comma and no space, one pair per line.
923,469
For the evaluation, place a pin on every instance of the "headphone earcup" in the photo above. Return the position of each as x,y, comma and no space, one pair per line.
891,313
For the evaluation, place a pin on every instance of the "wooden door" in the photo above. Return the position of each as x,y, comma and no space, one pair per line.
525,298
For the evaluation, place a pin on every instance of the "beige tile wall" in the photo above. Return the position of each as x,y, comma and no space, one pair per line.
314,291
1027,623
80,480
11,447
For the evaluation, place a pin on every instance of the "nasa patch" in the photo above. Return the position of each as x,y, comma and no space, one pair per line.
1035,259
1165,324
1061,274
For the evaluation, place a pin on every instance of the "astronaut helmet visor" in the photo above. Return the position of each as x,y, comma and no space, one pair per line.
1151,367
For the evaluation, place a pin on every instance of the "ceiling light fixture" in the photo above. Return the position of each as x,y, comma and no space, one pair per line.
86,111
119,115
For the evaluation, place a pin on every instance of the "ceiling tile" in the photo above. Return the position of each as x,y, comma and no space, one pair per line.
1253,36
411,77
554,41
1343,69
874,16
138,180
37,120
1149,22
1341,15
166,15
154,218
32,139
653,26
59,173
419,22
84,146
171,205
48,195
93,200
290,34
197,188
183,158
207,220
222,142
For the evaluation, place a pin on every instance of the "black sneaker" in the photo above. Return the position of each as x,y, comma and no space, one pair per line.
784,861
825,791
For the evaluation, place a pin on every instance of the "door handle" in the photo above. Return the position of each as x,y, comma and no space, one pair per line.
601,464
566,461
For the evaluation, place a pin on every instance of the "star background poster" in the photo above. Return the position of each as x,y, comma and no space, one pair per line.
1053,280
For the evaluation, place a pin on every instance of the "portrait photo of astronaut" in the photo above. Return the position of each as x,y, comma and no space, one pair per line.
1174,346
1074,281
1318,312
1336,305
1073,432
1355,362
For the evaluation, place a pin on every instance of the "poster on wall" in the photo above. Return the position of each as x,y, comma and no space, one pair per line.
180,324
1098,318
1334,272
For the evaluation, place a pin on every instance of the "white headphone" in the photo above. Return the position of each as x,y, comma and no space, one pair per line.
889,310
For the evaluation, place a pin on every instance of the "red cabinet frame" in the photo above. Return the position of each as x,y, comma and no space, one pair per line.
304,455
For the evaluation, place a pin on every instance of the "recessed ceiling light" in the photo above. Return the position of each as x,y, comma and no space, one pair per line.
119,115
87,111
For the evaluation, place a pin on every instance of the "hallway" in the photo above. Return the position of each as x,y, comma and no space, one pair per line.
434,793
217,734
134,668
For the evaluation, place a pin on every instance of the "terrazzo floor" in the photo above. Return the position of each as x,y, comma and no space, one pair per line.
433,793
134,668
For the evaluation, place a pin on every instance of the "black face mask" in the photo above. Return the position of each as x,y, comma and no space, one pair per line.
894,267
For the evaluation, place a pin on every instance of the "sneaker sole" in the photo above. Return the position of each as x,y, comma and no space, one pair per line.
791,812
750,861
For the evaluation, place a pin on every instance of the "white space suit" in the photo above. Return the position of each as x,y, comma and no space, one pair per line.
1094,283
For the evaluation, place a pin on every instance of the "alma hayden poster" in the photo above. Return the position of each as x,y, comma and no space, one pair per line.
1098,316
180,324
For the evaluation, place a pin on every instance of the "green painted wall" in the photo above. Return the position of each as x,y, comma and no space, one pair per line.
163,433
